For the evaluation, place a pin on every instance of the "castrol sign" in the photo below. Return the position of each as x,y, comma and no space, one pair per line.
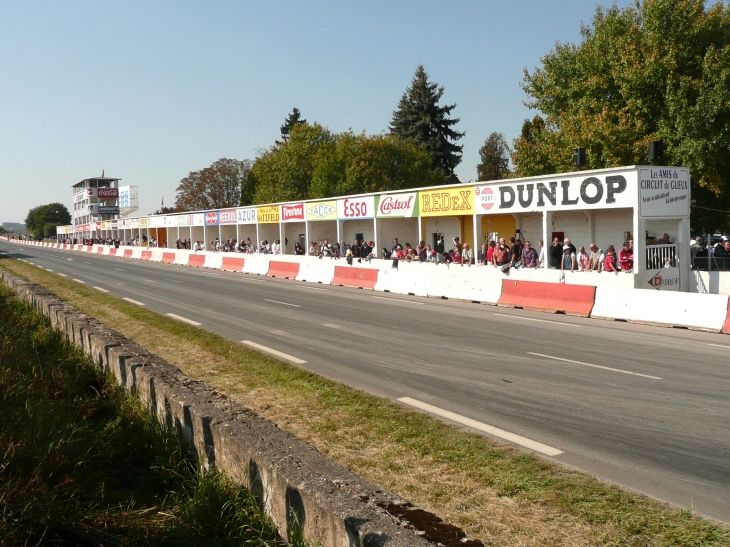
354,208
397,205
485,197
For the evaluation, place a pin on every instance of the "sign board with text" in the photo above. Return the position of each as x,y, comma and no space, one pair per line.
664,192
664,279
397,205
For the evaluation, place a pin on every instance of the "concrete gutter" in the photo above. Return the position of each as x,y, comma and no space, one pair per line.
305,493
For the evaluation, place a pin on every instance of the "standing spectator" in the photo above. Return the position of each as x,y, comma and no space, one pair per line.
421,251
298,249
367,248
457,244
568,261
482,254
490,252
386,253
326,249
372,253
626,257
610,262
440,244
556,254
357,250
515,251
276,247
467,255
500,257
343,248
529,256
567,242
396,246
596,258
584,259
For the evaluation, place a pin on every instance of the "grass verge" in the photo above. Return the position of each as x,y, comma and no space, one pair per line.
495,493
83,463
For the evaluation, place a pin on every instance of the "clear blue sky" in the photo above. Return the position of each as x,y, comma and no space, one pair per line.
150,91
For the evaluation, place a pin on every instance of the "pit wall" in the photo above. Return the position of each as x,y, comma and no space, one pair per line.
541,289
300,489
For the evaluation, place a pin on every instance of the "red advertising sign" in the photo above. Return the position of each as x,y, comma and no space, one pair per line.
290,213
108,193
485,197
228,216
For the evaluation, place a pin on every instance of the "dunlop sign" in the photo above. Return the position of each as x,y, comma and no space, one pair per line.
575,192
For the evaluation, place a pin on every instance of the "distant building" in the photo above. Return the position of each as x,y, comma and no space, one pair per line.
94,200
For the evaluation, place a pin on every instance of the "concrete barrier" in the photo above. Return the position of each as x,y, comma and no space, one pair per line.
168,258
351,276
302,491
316,270
137,253
146,256
181,257
697,311
463,283
279,268
256,264
196,260
128,253
99,250
407,279
726,326
213,261
233,263
558,297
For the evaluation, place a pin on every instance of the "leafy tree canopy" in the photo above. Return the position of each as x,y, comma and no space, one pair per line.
214,187
419,117
42,220
316,163
656,70
494,154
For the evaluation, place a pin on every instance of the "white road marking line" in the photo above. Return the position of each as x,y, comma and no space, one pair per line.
331,325
31,263
183,319
62,275
279,332
70,259
174,281
118,269
539,320
87,262
595,366
313,288
398,300
133,301
100,289
49,270
719,346
265,349
480,426
282,303
79,281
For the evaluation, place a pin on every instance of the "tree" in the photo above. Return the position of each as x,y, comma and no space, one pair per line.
295,118
419,117
494,154
43,220
214,187
653,71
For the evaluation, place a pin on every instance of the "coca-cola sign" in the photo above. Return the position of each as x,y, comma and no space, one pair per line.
397,205
108,193
292,213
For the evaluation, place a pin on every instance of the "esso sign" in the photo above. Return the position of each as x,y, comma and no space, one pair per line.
485,197
351,208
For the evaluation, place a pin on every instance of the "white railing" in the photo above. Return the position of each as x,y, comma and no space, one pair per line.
661,256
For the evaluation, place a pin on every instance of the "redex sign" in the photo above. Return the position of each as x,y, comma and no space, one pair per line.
574,192
446,202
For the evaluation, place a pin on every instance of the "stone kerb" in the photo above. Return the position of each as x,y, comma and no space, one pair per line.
297,486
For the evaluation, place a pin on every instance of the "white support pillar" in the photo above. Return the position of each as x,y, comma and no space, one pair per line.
639,232
420,229
339,231
591,224
476,225
547,232
376,238
282,233
683,254
306,237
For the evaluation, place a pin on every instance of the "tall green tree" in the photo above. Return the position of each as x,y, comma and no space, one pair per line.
654,70
420,117
43,220
494,158
295,118
215,187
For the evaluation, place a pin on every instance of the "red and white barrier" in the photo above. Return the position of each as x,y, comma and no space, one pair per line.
533,295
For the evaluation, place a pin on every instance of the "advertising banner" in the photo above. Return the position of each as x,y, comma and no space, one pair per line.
228,216
663,192
446,202
355,208
397,205
322,210
134,223
144,222
268,214
107,193
246,215
665,279
96,226
105,225
198,219
292,213
107,209
157,222
114,225
599,191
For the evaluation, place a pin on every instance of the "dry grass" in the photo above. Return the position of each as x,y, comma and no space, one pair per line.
497,494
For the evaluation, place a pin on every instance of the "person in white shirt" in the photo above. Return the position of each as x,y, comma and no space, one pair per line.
276,247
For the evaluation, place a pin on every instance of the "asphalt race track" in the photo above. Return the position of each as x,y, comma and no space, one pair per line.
644,407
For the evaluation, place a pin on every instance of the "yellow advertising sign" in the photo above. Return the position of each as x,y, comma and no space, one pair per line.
322,210
105,225
268,214
144,222
446,202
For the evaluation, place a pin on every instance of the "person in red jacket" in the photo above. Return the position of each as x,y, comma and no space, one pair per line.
626,258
